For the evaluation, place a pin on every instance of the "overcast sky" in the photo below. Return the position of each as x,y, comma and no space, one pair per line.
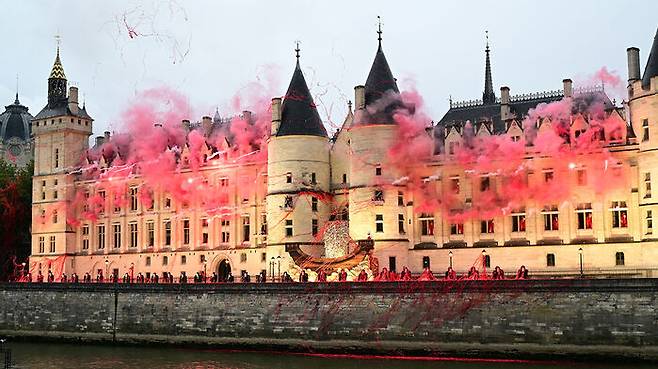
210,50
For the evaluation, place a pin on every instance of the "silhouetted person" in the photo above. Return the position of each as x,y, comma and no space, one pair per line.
522,273
40,277
322,276
498,273
64,278
342,275
303,276
363,276
451,275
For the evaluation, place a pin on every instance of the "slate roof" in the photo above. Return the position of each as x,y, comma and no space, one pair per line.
651,70
299,116
15,122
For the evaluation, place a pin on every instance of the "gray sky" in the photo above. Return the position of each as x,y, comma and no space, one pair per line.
210,50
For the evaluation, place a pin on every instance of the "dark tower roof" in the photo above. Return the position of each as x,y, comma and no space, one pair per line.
488,96
15,122
651,70
299,115
380,79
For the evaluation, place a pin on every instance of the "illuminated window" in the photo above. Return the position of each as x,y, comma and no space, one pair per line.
619,214
100,232
426,225
518,221
487,226
551,218
584,215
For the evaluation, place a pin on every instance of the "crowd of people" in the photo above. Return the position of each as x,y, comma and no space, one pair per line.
384,275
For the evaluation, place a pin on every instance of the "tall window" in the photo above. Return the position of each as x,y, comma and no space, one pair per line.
85,237
454,184
619,259
133,234
167,202
101,206
288,228
150,233
518,220
186,231
56,158
584,215
165,260
167,232
314,204
550,260
645,130
456,228
183,259
204,231
246,228
426,224
52,244
379,223
314,227
551,218
133,199
581,177
344,178
400,198
116,235
401,223
313,178
226,232
378,170
42,245
647,185
619,214
649,222
288,177
485,184
101,236
487,226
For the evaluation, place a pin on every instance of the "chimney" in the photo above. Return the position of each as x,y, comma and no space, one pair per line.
633,55
73,100
359,97
106,135
206,125
276,115
567,87
186,124
504,103
100,140
246,115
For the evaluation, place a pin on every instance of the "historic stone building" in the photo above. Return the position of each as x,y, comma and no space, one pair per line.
341,185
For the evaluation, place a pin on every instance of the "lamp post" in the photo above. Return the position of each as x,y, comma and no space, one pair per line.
132,272
272,268
107,268
24,270
580,254
278,263
450,256
205,270
484,258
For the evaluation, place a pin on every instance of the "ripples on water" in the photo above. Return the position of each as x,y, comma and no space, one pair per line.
71,356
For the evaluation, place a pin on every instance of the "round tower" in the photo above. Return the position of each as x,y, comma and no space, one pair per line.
643,113
376,200
298,200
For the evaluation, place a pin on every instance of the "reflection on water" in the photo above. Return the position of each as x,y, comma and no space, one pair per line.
72,356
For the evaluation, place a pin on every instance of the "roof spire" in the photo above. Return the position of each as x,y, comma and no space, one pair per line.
379,30
58,69
16,102
297,50
488,96
651,69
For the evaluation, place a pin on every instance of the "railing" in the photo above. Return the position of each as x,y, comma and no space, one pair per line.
530,96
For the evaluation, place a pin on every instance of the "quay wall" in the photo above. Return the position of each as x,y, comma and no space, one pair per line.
610,319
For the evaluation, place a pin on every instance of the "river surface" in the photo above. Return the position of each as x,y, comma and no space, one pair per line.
80,356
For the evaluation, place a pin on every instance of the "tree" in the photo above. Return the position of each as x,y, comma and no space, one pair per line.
15,215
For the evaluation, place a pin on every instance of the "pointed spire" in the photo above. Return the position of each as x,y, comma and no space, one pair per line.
217,118
488,96
379,31
651,70
16,102
58,69
299,116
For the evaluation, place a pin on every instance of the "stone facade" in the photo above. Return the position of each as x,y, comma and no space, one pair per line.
570,318
174,237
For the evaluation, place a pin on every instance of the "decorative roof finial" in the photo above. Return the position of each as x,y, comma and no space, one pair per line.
16,102
486,35
379,30
349,105
297,50
58,39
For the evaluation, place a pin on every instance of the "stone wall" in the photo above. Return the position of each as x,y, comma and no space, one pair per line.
541,318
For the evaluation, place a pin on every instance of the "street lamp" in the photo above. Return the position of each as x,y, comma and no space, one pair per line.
580,254
278,263
450,256
272,268
484,258
132,272
205,270
107,270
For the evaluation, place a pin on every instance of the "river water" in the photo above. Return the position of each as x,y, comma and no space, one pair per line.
80,356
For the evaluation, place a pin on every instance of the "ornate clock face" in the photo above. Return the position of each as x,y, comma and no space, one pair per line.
15,150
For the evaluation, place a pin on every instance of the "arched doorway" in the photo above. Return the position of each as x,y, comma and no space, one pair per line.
223,270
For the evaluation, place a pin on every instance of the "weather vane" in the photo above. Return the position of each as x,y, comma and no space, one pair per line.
379,28
297,49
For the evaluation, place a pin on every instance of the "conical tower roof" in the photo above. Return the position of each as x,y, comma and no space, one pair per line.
58,69
299,116
651,70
